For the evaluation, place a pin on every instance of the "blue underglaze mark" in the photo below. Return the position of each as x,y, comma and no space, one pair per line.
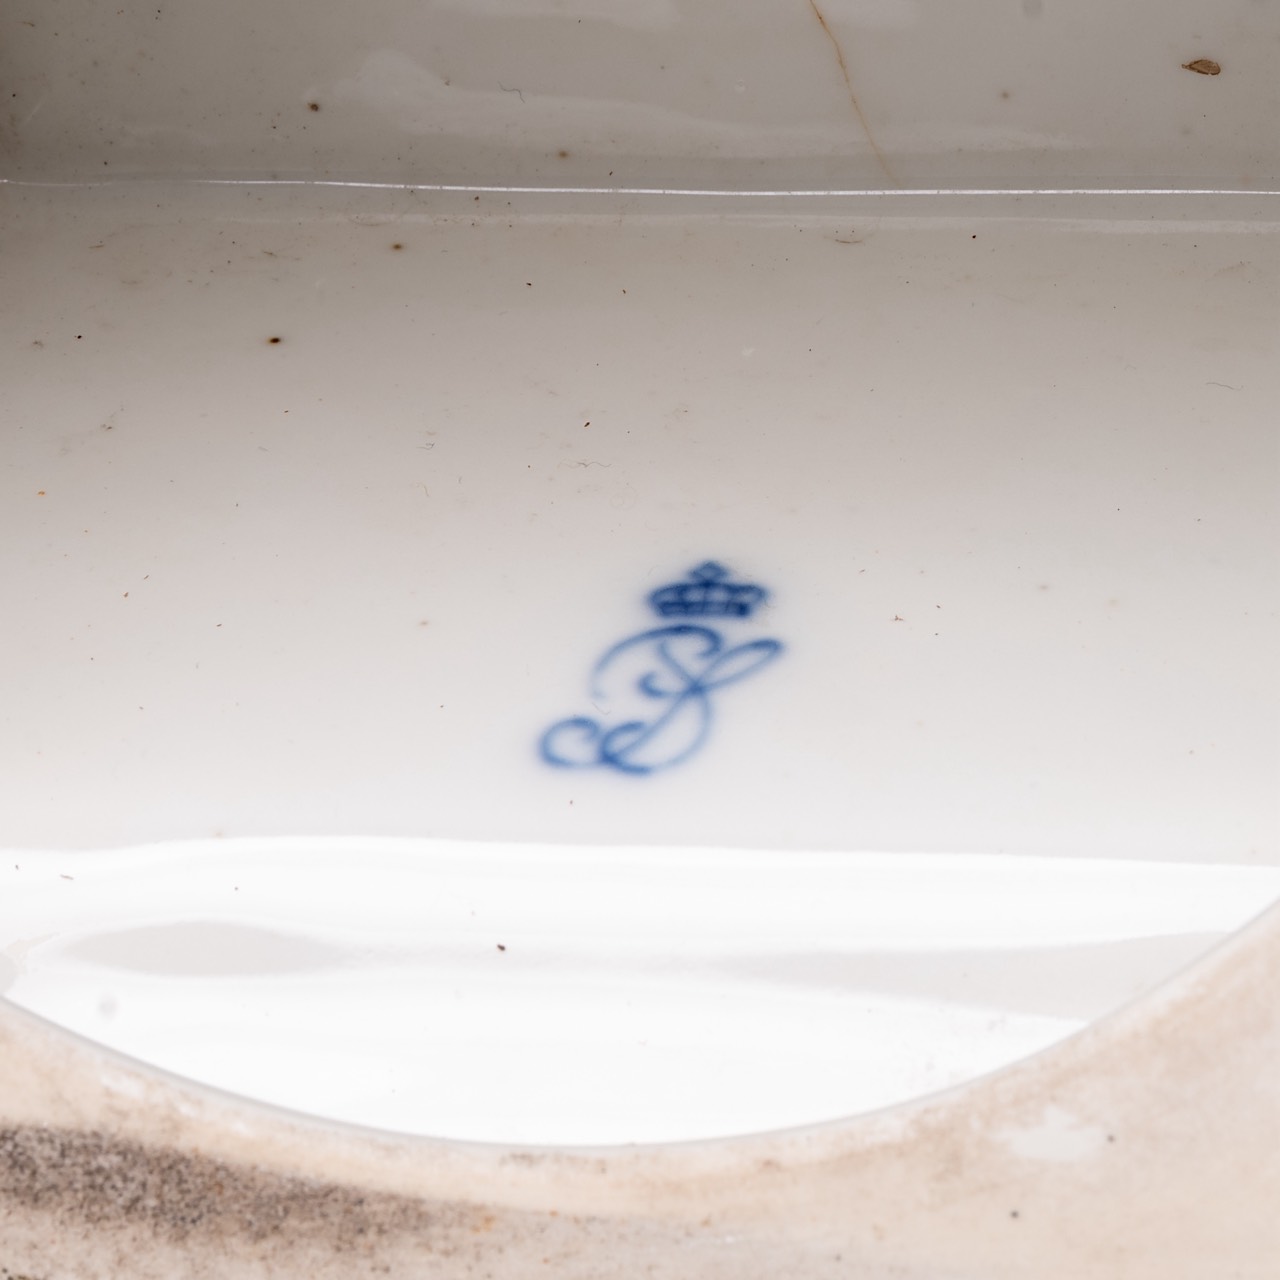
668,673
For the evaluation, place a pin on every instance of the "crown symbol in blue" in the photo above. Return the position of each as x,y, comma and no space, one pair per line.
708,594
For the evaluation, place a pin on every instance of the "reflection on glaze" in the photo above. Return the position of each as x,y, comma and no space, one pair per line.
675,667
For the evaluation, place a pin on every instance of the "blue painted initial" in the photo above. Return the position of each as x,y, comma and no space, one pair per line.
653,691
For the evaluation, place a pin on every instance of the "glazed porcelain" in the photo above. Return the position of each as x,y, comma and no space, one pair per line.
647,994
1144,1148
330,507
813,95
592,574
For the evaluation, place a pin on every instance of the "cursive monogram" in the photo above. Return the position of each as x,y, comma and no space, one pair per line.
677,668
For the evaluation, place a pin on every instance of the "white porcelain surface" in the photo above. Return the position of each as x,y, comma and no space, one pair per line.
1011,481
539,995
809,94
334,511
1148,1147
319,511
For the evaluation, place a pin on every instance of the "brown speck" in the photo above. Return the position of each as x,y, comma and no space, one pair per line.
313,106
563,154
1005,94
397,245
897,617
273,341
1203,67
39,493
501,947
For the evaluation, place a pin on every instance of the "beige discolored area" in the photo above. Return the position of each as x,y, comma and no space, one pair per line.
91,1180
117,1207
114,1208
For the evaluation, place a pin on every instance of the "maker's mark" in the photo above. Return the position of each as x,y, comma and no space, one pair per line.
653,690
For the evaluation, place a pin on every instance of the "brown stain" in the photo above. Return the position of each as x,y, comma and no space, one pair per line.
853,97
1203,66
89,1179
271,342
